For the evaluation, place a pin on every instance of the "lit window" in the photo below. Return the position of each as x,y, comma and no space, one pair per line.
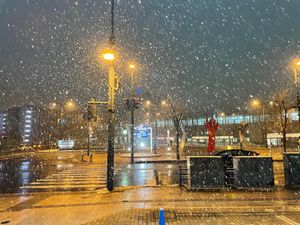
27,131
28,111
26,140
28,126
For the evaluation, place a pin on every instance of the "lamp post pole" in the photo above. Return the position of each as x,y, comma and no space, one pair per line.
111,127
111,109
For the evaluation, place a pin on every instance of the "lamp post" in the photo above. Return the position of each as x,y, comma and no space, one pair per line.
257,104
109,57
154,115
132,68
296,69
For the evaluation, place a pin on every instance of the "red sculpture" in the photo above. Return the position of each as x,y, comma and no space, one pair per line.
212,126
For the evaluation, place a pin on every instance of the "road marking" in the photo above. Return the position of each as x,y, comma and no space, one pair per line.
287,220
80,177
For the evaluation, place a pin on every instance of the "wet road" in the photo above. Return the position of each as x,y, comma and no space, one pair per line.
147,174
18,171
64,172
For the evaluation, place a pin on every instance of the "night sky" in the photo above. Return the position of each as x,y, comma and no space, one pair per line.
213,55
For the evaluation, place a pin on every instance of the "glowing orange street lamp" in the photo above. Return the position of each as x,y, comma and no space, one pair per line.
108,56
131,66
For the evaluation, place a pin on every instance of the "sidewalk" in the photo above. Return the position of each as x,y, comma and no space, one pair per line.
140,205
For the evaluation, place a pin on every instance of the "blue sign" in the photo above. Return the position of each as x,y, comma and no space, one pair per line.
138,90
142,132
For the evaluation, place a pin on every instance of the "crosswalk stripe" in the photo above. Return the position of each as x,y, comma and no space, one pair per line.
79,177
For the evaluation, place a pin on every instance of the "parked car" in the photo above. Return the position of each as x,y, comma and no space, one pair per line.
227,156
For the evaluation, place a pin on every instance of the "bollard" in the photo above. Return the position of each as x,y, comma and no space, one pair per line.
180,176
91,157
162,217
82,157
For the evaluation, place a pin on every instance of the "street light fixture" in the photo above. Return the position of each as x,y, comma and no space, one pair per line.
131,66
108,56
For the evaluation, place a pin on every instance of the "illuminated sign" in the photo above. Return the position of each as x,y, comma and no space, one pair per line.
66,144
142,131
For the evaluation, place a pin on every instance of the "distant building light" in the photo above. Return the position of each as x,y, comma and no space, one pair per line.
28,121
4,118
26,140
26,135
27,125
27,130
28,111
4,114
28,116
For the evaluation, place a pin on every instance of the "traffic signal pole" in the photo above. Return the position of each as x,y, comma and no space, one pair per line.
88,140
132,135
132,118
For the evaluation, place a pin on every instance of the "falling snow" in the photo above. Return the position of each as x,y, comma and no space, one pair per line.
208,52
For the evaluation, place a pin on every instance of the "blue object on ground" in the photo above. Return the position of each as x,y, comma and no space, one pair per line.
162,217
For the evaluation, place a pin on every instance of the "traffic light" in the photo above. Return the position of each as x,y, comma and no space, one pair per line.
91,112
132,103
136,103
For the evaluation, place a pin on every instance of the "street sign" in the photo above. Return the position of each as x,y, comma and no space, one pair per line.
138,91
142,131
66,144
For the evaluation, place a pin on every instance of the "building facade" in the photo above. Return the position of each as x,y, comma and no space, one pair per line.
20,125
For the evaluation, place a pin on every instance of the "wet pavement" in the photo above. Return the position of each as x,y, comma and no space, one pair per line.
140,205
147,174
59,188
63,171
21,170
195,216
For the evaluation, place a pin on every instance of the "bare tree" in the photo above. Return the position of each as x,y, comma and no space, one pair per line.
178,115
279,118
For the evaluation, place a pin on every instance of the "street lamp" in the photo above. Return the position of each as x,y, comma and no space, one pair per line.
256,104
70,105
109,58
163,103
148,103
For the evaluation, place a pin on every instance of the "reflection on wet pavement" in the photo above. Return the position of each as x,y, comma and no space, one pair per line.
24,170
147,174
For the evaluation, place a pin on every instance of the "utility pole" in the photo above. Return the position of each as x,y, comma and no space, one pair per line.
132,118
88,140
132,108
